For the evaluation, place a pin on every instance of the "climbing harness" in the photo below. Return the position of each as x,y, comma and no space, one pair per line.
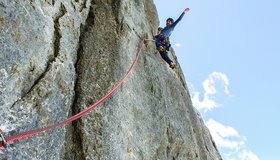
164,43
80,114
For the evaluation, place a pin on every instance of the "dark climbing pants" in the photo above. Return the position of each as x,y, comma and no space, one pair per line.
163,41
165,56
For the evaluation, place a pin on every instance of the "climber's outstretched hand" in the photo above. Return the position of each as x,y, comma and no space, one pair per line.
186,10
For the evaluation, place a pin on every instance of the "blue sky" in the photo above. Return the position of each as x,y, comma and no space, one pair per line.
229,52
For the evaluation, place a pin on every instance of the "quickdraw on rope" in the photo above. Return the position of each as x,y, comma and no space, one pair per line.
4,141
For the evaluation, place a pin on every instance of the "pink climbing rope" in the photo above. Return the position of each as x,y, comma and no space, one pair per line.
80,114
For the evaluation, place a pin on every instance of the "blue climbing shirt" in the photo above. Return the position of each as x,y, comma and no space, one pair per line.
168,29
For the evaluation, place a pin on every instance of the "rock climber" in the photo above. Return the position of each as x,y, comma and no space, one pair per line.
162,39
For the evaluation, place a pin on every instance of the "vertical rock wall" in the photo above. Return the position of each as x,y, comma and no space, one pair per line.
39,41
57,57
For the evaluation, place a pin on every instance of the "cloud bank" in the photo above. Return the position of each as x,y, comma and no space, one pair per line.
226,137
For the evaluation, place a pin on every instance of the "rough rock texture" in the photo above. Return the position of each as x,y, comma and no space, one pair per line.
59,56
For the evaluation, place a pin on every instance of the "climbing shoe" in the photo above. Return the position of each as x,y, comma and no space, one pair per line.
172,65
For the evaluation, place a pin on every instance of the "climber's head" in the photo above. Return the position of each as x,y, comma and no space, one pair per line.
169,21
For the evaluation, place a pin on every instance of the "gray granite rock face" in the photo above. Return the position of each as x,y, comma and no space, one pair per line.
57,57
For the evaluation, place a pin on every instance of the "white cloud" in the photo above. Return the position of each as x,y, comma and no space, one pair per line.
206,104
242,154
226,137
210,89
209,83
247,155
177,45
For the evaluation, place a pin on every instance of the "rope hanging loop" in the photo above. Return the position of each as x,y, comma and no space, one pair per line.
3,141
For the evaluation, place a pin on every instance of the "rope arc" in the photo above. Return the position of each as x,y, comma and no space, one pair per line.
83,112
